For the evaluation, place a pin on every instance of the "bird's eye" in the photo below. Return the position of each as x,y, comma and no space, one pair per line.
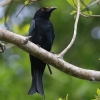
42,10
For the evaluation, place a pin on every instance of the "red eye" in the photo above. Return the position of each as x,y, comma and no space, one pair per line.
42,9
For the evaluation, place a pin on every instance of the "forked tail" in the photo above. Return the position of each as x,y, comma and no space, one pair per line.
37,85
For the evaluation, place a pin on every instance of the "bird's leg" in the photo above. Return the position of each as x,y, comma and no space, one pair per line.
2,46
49,68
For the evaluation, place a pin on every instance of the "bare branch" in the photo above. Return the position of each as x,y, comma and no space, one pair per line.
88,16
20,10
25,4
48,57
93,3
98,2
6,13
75,31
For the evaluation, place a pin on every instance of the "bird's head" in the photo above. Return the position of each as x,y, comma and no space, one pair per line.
44,12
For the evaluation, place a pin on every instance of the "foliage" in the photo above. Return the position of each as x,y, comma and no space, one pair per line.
64,99
74,4
15,77
97,97
27,2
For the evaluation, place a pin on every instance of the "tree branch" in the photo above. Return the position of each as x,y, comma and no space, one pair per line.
75,32
93,3
88,16
48,57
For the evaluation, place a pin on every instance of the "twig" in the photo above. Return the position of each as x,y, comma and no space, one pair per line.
98,2
20,10
6,14
85,5
88,16
93,3
75,32
29,1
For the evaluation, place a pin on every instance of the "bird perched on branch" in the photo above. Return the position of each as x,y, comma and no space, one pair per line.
42,33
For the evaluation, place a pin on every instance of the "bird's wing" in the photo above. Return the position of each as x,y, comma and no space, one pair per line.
32,29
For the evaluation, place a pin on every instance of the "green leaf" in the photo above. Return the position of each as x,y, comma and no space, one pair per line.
98,92
87,12
60,99
82,6
71,3
67,97
26,2
22,30
87,1
2,20
16,28
75,2
73,12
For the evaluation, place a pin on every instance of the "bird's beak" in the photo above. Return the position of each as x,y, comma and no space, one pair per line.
51,9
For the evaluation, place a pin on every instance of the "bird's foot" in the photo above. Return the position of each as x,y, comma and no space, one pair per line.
3,47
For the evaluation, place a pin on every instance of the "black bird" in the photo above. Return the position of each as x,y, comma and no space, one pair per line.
42,33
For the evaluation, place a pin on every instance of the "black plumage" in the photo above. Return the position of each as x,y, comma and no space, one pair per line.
42,32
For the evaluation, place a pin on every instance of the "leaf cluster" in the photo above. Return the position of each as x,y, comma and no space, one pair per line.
65,98
84,9
97,97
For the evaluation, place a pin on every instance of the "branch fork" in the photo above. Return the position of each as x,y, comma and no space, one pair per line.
50,58
75,32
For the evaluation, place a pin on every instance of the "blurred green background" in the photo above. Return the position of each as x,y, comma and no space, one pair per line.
15,77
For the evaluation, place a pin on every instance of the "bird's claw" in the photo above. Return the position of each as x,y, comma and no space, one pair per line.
3,47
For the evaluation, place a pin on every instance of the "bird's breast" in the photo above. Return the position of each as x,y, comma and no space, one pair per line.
43,31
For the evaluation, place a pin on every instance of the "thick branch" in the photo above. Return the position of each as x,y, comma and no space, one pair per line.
48,57
75,31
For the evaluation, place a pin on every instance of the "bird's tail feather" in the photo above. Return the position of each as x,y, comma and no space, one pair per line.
37,85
